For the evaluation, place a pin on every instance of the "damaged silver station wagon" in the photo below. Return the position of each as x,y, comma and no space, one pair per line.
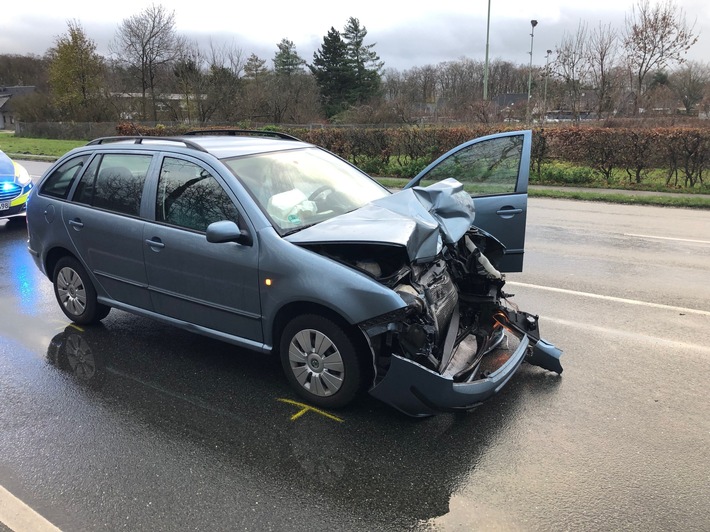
274,244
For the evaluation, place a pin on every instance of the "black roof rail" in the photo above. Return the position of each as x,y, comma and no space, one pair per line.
244,132
140,140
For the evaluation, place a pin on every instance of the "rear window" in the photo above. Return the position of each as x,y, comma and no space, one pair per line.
61,179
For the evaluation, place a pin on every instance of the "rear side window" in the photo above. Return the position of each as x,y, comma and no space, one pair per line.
114,182
61,179
190,197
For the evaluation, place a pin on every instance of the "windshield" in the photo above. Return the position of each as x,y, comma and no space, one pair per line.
297,188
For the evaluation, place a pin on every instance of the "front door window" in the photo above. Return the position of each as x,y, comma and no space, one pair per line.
484,168
190,197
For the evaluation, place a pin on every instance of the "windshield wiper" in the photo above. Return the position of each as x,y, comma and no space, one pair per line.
301,228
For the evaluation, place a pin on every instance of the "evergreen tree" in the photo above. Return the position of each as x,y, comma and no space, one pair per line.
287,61
255,67
333,72
291,87
257,79
364,61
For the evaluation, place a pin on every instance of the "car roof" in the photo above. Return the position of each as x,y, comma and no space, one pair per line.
223,145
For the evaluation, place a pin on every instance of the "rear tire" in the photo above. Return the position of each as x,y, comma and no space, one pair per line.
76,294
320,361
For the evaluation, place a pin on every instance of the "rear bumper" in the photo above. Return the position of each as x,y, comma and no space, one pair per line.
418,391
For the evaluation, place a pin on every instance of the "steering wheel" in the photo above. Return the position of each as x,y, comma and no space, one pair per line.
317,192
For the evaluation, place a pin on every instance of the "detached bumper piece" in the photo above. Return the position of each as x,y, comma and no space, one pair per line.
544,354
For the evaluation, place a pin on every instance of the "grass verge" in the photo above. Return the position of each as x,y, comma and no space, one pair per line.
42,149
668,200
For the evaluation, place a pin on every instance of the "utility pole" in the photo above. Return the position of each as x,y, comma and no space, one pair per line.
547,75
533,23
485,68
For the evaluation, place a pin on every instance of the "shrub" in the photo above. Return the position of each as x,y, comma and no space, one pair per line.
559,173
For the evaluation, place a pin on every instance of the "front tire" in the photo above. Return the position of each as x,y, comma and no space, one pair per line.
320,361
76,294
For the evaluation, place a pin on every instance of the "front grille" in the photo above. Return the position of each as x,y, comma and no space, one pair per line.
9,191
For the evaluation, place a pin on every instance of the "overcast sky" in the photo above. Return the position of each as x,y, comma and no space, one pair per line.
405,36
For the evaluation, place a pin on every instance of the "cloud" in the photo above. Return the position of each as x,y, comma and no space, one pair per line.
445,30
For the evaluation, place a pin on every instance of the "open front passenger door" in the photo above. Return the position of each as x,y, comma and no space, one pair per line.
495,170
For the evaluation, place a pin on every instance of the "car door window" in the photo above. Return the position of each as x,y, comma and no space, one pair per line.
495,170
114,182
484,168
190,197
60,181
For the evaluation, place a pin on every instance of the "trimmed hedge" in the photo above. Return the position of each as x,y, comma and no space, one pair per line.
682,152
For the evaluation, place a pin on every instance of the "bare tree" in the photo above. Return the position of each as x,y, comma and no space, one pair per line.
689,84
460,83
602,57
146,42
397,97
189,78
506,78
422,83
654,38
572,66
24,70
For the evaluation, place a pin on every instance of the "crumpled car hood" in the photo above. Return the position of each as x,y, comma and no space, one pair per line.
417,218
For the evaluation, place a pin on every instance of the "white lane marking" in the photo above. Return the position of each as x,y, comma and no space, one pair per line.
631,335
612,298
669,238
16,515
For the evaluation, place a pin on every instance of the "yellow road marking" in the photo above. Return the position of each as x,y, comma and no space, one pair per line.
308,408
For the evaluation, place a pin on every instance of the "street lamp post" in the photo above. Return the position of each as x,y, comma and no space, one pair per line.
533,23
547,74
485,68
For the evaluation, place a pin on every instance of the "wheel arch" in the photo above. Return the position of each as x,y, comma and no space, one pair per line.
53,256
291,310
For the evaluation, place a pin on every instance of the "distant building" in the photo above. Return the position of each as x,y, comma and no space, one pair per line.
7,114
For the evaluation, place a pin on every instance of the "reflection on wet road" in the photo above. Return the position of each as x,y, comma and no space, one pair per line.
141,426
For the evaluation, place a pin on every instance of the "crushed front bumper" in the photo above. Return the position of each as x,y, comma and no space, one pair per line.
418,391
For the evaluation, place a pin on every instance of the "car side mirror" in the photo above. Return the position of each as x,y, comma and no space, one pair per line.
228,231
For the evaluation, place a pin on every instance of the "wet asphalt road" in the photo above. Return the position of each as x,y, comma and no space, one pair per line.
138,426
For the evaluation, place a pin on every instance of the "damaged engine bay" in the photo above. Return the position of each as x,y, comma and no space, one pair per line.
458,338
